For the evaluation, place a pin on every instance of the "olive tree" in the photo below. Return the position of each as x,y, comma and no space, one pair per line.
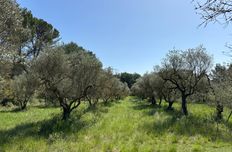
137,88
185,70
23,87
169,93
152,86
10,23
221,78
119,90
109,87
144,88
149,86
67,76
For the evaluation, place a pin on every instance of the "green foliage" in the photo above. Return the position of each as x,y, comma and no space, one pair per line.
23,88
73,47
128,78
185,70
6,92
67,77
10,24
42,34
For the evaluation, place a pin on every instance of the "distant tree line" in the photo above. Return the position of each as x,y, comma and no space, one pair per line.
128,78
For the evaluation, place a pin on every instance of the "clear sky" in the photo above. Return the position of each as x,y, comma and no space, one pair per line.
131,35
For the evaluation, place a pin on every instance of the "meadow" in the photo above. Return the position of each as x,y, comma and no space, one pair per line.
126,125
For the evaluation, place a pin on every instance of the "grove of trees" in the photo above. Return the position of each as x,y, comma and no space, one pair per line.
187,76
34,63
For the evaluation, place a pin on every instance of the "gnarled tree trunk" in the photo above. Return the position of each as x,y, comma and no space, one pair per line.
23,105
66,112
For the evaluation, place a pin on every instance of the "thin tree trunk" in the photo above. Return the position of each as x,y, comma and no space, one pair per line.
95,102
160,102
170,103
90,103
153,100
219,109
184,105
23,106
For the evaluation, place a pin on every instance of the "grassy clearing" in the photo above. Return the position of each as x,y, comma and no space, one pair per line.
128,125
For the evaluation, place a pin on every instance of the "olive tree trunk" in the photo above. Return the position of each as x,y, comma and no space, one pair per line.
153,100
184,105
66,112
170,103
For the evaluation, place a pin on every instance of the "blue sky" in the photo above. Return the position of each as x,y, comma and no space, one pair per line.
131,35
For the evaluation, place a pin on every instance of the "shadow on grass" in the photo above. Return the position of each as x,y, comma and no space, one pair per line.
173,121
191,126
12,110
150,109
46,106
109,103
17,109
142,106
53,128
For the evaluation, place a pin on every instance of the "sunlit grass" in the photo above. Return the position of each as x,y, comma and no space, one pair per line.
128,125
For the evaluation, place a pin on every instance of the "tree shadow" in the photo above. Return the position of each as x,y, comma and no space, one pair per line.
46,106
190,126
175,122
140,106
136,99
51,128
13,110
109,104
150,109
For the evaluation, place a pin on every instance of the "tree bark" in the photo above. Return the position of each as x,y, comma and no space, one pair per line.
153,100
160,101
90,103
219,109
170,103
23,106
95,102
66,109
184,105
66,112
4,101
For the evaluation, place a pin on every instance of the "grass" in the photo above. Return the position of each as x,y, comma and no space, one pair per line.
128,125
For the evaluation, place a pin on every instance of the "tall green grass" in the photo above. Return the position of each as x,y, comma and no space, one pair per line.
127,125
